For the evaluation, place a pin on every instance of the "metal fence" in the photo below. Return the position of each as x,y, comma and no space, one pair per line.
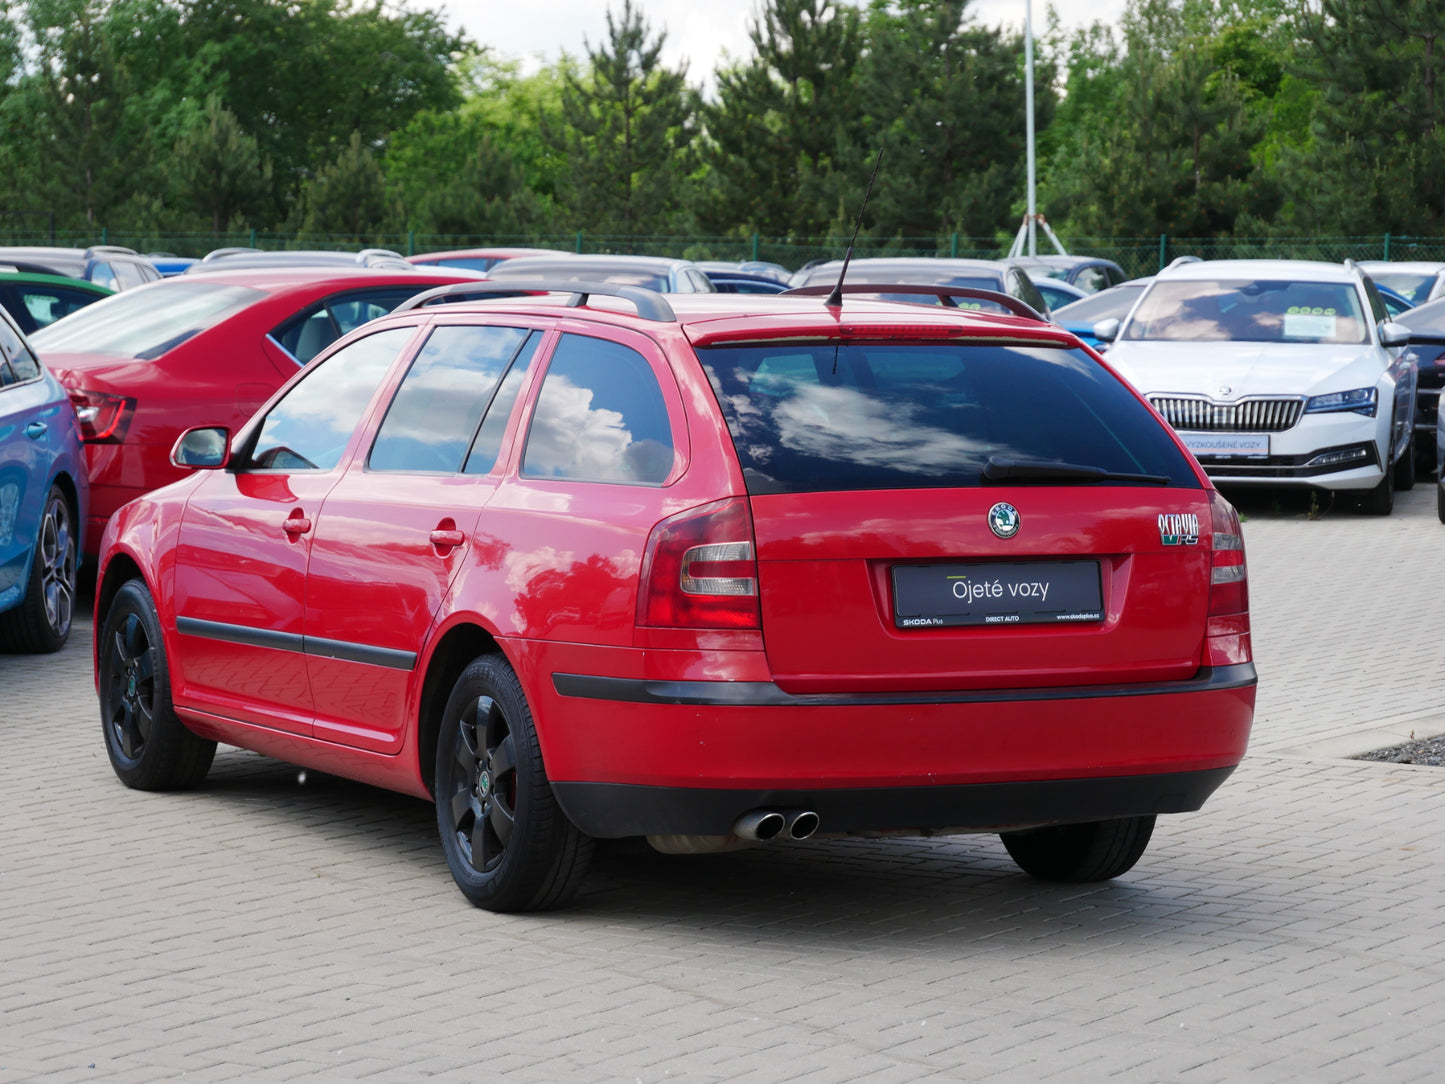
1137,255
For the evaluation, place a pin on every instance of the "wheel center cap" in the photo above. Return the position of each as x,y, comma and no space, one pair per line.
484,782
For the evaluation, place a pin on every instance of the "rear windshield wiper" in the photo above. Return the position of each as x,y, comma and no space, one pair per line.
1001,469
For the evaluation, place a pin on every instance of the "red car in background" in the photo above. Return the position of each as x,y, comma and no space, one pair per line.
146,364
709,569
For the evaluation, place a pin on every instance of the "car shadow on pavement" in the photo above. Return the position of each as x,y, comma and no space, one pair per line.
826,892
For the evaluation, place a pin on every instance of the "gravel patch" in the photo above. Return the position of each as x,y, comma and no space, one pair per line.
1429,751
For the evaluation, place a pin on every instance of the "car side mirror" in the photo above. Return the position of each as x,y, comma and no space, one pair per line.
1106,331
202,449
1393,334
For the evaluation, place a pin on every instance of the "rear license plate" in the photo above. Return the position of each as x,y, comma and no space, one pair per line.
1253,444
996,593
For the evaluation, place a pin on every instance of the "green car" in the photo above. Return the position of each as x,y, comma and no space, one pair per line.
36,300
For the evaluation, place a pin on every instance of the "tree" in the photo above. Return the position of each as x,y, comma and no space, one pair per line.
1158,134
627,128
347,199
219,169
1373,155
787,124
947,98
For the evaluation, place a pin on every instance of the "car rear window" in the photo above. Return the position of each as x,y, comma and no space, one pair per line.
1253,310
810,418
145,323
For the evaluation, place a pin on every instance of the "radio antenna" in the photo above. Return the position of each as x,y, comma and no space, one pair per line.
835,299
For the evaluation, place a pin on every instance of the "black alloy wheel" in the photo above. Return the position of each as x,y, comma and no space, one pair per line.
148,745
41,623
484,790
507,843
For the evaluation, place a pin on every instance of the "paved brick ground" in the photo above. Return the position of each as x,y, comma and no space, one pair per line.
270,928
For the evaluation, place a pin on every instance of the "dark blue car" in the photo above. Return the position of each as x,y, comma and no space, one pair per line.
43,492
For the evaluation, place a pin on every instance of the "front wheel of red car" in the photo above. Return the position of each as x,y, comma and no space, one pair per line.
508,844
1078,853
149,747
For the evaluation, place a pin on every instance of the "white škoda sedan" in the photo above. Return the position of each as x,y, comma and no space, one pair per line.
1277,372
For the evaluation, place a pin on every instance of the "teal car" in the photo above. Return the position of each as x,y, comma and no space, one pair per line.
36,301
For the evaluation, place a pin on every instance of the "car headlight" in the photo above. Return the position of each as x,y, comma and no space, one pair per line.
1356,400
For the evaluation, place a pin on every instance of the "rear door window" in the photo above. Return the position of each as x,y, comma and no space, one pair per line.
807,418
439,406
47,304
317,326
23,363
600,417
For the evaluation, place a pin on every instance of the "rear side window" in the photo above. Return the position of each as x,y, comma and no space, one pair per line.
146,323
310,428
600,417
808,418
435,413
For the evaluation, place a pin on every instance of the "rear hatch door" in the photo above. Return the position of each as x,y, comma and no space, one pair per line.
956,515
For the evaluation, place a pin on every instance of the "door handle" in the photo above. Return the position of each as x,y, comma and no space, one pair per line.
449,539
37,429
296,526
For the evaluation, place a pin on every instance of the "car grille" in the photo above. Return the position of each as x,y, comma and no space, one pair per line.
1245,416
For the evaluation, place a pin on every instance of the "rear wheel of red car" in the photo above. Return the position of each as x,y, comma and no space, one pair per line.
42,620
1076,853
508,844
149,747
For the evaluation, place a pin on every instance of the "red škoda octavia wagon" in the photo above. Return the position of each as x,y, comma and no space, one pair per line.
711,570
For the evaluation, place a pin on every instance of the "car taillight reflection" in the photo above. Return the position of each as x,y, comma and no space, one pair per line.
103,417
1228,627
700,571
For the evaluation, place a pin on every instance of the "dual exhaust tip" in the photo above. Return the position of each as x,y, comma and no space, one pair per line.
765,824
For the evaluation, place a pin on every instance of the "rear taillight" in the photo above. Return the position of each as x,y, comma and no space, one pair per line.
103,418
700,571
1227,631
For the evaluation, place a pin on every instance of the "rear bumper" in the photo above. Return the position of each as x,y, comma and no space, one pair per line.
614,810
638,756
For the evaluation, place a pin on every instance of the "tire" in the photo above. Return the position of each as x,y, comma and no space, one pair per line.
1403,476
149,747
41,623
1078,853
1380,501
508,844
1440,500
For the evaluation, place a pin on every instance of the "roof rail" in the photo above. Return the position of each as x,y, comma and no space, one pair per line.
222,253
116,250
946,295
650,304
1180,261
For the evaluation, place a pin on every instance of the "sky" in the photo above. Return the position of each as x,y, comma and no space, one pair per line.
698,31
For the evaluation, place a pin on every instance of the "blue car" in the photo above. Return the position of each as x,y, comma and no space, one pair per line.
43,493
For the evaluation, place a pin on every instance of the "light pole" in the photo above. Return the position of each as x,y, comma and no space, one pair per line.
1029,120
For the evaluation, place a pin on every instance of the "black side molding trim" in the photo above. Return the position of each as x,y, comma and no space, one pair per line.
240,634
766,694
386,657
